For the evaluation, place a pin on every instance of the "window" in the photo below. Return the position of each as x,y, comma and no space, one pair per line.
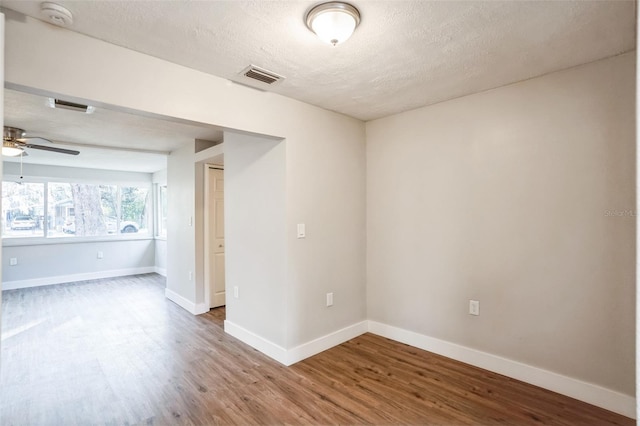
133,209
74,209
22,209
162,210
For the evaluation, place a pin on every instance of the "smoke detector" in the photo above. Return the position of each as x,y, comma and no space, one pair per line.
56,14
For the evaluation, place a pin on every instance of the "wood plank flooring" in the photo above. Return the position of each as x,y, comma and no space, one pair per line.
117,352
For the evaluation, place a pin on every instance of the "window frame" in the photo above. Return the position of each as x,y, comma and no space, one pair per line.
118,236
158,216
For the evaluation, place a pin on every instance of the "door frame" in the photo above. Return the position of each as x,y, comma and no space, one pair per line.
207,232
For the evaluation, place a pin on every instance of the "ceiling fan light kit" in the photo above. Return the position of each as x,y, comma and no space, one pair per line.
10,146
333,22
11,149
14,142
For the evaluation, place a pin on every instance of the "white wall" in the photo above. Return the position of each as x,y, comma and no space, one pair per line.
199,192
160,178
44,261
180,219
204,157
325,166
44,264
39,172
326,192
255,235
506,197
160,259
442,185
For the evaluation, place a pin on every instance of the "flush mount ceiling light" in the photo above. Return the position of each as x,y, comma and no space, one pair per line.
333,22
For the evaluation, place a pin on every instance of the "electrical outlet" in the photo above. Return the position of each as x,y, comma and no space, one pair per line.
329,299
100,255
13,261
474,307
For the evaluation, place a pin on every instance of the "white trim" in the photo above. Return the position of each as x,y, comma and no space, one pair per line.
306,350
207,236
263,345
201,308
60,279
183,302
207,232
160,271
587,392
210,154
323,343
43,241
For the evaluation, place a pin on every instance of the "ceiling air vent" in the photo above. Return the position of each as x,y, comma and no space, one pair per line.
72,106
261,75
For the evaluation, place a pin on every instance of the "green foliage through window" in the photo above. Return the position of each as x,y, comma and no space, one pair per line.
73,209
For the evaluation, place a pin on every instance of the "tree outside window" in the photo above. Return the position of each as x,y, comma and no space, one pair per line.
23,209
74,209
133,207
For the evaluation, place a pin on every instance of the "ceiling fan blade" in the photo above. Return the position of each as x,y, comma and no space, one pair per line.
31,138
53,149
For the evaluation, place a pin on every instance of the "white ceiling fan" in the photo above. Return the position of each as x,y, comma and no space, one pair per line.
15,141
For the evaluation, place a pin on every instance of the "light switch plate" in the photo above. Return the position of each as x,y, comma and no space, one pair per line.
474,307
329,299
302,231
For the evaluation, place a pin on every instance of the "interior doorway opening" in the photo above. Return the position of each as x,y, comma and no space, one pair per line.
215,294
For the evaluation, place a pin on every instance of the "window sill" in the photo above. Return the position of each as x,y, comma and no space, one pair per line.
41,241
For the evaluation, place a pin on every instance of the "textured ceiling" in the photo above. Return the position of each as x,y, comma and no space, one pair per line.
404,54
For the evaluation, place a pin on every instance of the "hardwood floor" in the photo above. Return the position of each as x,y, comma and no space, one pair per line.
117,352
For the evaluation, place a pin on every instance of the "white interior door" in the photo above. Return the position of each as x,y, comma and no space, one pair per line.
216,238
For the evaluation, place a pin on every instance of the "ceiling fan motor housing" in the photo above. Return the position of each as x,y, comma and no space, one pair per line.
11,134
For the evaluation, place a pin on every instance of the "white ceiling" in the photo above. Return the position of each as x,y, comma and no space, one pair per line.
404,54
106,139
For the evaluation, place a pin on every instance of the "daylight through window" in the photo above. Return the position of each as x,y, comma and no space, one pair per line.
74,210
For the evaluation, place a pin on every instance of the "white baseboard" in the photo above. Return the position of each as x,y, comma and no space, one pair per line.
306,350
60,279
323,343
201,308
268,348
583,391
160,271
183,302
